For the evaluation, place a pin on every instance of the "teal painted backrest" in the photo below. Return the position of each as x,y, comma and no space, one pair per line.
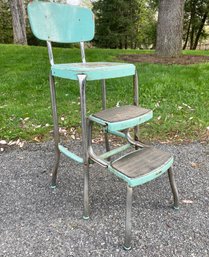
61,22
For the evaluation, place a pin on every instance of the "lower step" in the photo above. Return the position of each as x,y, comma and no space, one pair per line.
141,166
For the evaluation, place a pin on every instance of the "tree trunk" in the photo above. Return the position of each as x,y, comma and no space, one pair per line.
204,18
187,35
120,44
193,14
126,42
18,21
170,27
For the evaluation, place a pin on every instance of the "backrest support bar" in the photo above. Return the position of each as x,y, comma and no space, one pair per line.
50,52
83,57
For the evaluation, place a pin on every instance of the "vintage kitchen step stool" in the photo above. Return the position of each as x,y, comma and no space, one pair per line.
63,23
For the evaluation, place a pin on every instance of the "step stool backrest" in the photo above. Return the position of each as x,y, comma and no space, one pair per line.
61,23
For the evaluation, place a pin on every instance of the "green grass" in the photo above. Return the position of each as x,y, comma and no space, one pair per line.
179,95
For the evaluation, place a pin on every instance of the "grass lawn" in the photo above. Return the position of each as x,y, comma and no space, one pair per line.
179,95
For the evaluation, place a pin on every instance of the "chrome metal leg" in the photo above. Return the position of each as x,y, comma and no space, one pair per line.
55,169
104,100
56,130
86,192
127,243
173,188
136,136
136,89
82,85
136,103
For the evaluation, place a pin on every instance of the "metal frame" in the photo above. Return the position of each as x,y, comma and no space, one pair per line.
59,148
56,130
50,52
82,86
136,102
104,106
127,242
173,188
83,56
125,134
103,161
88,154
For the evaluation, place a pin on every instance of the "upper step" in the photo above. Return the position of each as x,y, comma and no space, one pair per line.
119,118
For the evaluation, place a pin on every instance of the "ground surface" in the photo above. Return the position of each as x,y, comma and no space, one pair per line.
153,58
38,221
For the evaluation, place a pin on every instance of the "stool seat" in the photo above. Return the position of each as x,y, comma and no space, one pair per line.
141,166
93,70
119,118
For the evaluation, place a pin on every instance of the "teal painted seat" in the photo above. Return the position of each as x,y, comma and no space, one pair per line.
63,23
93,70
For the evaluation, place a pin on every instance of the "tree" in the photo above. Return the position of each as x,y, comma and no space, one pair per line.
170,27
18,21
196,15
121,23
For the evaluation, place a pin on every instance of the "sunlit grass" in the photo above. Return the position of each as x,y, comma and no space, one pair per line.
179,95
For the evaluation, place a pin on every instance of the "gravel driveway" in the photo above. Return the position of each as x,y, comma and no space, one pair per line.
38,221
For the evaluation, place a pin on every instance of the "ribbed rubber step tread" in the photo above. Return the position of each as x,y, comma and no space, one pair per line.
141,162
122,113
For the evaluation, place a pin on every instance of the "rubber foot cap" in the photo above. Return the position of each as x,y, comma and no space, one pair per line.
126,248
176,207
86,217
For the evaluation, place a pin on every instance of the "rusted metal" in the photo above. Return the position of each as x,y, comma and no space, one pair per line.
127,242
56,130
82,86
104,103
173,188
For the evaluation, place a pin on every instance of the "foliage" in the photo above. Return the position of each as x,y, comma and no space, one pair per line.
5,22
195,18
177,94
123,23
